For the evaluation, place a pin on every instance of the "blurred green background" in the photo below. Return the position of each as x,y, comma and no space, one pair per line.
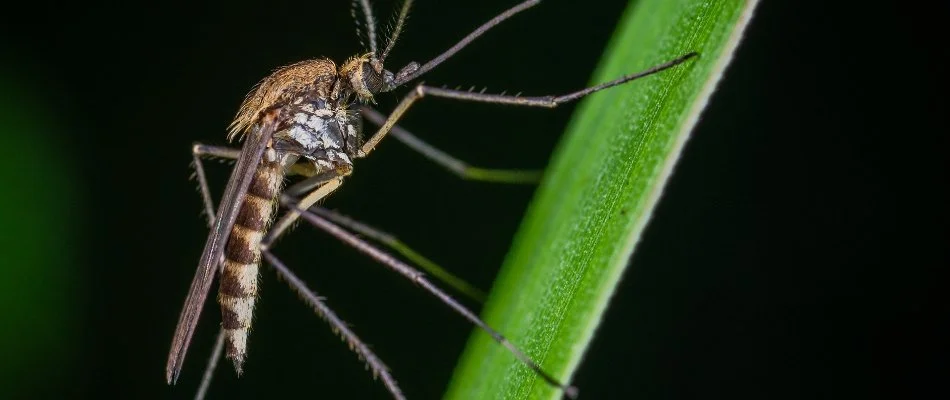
796,253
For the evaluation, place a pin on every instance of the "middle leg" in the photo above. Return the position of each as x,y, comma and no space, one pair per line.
454,165
419,279
391,241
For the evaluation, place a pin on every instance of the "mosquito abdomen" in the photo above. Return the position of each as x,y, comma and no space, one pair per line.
237,291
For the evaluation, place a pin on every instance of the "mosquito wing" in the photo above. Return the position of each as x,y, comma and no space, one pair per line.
254,146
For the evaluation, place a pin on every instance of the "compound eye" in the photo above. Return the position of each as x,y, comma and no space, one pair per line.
372,80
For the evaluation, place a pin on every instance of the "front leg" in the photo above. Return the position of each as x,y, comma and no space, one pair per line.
529,101
391,241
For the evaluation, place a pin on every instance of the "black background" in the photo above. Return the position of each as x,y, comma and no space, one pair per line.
795,254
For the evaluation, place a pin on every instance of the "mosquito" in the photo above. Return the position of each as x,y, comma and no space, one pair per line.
305,119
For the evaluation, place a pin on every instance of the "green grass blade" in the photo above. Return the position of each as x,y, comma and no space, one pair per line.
598,194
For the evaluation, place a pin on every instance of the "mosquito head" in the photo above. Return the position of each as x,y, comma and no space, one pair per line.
365,76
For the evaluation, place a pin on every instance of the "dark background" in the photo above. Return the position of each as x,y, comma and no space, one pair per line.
796,252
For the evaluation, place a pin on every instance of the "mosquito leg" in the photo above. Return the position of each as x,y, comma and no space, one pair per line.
212,365
418,278
394,243
536,101
338,325
454,165
199,151
207,150
288,219
315,180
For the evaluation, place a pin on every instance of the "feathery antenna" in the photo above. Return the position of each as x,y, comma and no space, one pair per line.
400,21
417,71
370,23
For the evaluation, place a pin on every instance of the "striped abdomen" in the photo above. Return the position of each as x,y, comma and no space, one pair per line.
242,256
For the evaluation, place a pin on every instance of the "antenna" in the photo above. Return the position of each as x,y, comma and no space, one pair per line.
400,21
418,71
370,23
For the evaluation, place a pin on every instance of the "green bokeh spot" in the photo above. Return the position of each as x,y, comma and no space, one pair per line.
38,269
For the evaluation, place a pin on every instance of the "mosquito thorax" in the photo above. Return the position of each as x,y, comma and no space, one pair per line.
327,136
306,80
